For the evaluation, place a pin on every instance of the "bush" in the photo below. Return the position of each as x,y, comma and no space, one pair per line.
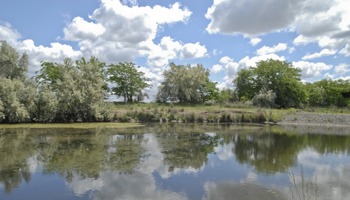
146,117
265,98
260,116
17,100
226,117
210,103
191,117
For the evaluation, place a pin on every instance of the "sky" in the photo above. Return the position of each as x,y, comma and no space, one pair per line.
223,35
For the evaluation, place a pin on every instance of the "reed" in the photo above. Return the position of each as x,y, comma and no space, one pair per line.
302,188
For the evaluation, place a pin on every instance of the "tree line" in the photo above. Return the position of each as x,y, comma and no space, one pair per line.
76,90
277,84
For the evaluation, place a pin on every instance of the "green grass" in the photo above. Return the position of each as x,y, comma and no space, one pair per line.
73,125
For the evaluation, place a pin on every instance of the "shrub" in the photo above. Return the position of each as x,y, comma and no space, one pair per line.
191,117
265,98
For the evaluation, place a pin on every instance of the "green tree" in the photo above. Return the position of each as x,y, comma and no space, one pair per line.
16,93
210,92
316,95
187,84
51,72
278,76
92,86
78,88
128,80
245,84
12,65
328,93
16,100
226,95
46,104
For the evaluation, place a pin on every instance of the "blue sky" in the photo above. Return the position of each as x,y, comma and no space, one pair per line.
223,35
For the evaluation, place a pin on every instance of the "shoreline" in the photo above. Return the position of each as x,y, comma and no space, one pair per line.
216,116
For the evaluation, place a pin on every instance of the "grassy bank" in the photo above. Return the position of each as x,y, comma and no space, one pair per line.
73,125
166,113
131,115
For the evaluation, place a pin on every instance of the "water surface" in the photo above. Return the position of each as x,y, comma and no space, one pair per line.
174,162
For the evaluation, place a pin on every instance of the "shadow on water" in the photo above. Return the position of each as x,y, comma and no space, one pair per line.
164,158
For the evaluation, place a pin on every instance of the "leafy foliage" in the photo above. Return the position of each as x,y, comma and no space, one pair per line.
17,100
278,76
12,66
265,98
77,91
129,81
226,95
245,84
187,84
328,93
46,104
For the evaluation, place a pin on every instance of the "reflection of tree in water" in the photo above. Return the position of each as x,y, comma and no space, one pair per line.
277,151
125,153
186,149
82,153
268,153
68,152
15,149
89,154
329,143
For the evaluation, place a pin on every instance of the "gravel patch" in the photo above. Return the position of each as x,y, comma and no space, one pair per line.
317,123
317,119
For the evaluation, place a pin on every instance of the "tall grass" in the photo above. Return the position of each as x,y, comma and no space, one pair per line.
301,188
194,114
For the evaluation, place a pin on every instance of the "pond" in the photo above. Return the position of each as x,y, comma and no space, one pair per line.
175,162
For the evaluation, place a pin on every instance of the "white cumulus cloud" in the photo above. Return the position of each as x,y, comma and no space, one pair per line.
56,52
342,68
216,68
80,29
8,33
255,41
324,22
324,52
117,32
311,70
268,50
250,17
195,50
168,49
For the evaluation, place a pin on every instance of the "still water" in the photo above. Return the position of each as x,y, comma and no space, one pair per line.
175,162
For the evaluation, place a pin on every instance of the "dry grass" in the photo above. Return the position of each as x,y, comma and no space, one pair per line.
233,113
302,189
